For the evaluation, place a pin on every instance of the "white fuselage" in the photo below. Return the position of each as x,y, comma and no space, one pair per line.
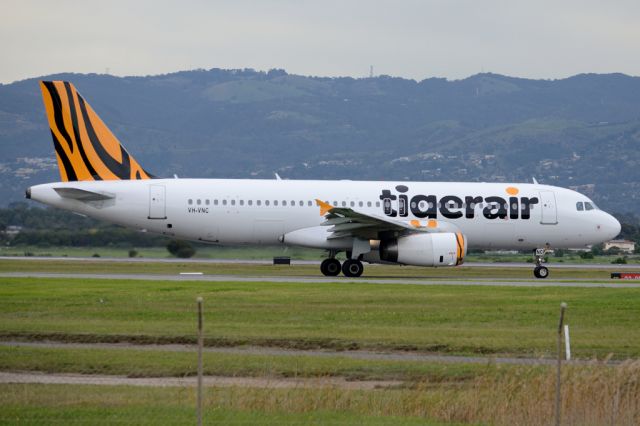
256,212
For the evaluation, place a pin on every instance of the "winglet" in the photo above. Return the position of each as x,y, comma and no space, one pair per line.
324,207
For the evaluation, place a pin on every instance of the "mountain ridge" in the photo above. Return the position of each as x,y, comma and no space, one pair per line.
581,131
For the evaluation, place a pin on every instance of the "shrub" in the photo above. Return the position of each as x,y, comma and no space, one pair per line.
620,261
180,249
133,253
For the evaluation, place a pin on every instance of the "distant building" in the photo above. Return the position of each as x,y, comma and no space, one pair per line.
624,245
12,230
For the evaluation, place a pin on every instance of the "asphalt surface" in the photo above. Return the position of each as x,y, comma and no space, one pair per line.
320,279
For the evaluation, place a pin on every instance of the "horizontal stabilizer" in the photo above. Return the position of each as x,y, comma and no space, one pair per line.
83,194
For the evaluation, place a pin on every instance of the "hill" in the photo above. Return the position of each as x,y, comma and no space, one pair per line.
581,132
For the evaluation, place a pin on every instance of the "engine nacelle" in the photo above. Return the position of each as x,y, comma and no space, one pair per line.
434,249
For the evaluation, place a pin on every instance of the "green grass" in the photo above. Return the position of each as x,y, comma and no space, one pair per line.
157,363
69,404
448,319
592,394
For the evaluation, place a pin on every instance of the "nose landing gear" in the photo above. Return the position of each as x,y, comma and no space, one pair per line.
540,271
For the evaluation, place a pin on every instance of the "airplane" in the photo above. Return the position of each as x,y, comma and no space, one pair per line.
431,224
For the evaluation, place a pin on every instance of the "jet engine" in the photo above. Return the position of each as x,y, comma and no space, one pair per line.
432,249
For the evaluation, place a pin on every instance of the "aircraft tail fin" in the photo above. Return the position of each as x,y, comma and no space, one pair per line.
85,147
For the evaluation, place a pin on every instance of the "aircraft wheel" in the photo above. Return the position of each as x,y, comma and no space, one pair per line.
541,272
330,267
352,268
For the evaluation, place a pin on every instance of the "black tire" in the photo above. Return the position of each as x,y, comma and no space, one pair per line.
543,272
352,268
330,267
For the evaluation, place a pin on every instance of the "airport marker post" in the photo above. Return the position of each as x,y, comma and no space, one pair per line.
200,345
563,306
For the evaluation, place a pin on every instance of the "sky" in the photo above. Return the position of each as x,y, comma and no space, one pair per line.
415,39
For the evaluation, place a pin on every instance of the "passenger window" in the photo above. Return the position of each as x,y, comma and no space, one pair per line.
579,206
284,202
198,202
335,204
377,203
293,203
206,201
224,202
301,203
368,203
190,201
250,202
352,204
215,202
266,202
344,204
588,206
233,202
275,202
258,202
310,204
360,204
242,202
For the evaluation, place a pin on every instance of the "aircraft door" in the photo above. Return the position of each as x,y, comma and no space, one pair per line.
157,202
549,208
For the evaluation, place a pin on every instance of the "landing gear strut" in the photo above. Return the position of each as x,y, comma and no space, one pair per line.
540,271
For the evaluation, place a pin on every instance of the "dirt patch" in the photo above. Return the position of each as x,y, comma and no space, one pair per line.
250,382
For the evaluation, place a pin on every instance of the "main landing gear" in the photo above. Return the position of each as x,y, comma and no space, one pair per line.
540,271
350,268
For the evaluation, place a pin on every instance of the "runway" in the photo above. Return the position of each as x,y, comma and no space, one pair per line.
169,260
492,282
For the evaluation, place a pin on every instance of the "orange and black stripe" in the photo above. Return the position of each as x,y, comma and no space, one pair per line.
460,248
85,148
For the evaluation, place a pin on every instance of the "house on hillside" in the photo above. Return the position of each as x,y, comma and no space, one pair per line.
625,246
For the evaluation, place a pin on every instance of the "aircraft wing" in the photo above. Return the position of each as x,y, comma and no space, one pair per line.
347,222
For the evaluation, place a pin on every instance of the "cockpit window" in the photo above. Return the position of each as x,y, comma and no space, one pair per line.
588,206
579,206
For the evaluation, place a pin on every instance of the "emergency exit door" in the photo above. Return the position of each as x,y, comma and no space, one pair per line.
157,202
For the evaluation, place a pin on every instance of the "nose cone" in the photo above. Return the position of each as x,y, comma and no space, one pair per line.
611,227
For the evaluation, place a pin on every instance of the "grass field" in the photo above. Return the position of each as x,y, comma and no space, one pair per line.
466,320
448,319
159,363
593,395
